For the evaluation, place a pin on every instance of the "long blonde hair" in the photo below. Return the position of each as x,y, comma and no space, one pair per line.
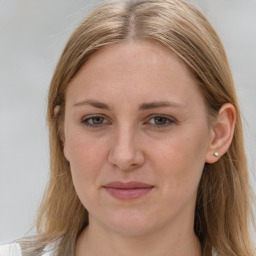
223,211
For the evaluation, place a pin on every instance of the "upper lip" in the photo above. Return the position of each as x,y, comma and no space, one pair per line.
127,185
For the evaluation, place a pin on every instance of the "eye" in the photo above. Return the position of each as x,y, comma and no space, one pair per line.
160,121
95,121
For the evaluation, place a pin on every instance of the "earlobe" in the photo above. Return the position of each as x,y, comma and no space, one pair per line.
65,150
222,133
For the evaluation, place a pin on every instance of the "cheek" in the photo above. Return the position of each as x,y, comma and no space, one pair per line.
85,151
180,159
86,157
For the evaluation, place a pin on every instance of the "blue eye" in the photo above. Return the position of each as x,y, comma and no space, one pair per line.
160,121
94,121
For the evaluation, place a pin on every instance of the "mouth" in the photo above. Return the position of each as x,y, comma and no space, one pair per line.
127,191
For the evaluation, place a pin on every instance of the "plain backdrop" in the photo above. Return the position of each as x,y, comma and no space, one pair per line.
32,36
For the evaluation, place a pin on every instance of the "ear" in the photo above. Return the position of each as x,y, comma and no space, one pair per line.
222,131
65,152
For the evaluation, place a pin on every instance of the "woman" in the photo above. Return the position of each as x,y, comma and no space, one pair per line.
146,141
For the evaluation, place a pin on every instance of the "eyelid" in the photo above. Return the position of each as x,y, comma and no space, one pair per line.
88,117
169,119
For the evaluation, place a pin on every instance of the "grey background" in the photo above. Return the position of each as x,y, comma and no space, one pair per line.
32,36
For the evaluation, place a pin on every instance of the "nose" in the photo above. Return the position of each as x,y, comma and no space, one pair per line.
125,153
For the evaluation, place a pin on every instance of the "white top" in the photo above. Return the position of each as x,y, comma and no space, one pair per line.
15,250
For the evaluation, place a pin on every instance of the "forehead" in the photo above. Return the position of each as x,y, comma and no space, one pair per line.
141,69
146,54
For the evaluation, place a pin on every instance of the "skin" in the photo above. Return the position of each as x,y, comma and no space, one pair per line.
125,142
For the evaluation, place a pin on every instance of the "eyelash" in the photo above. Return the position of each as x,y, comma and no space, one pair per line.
168,121
87,120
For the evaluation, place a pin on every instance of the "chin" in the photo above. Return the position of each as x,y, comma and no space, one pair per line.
131,223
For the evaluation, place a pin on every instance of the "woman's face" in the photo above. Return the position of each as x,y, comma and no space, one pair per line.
137,138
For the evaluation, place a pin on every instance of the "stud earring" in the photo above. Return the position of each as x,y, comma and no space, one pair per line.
56,110
216,154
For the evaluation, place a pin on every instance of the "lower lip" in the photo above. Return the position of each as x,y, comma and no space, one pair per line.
128,194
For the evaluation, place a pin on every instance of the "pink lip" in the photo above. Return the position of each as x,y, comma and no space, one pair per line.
127,191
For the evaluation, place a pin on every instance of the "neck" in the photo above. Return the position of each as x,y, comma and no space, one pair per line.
95,241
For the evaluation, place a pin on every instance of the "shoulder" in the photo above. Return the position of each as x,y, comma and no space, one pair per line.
10,250
14,249
214,252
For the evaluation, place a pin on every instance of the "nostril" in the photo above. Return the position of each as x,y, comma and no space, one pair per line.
126,160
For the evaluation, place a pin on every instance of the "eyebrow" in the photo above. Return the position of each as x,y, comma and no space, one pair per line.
143,106
94,103
159,104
